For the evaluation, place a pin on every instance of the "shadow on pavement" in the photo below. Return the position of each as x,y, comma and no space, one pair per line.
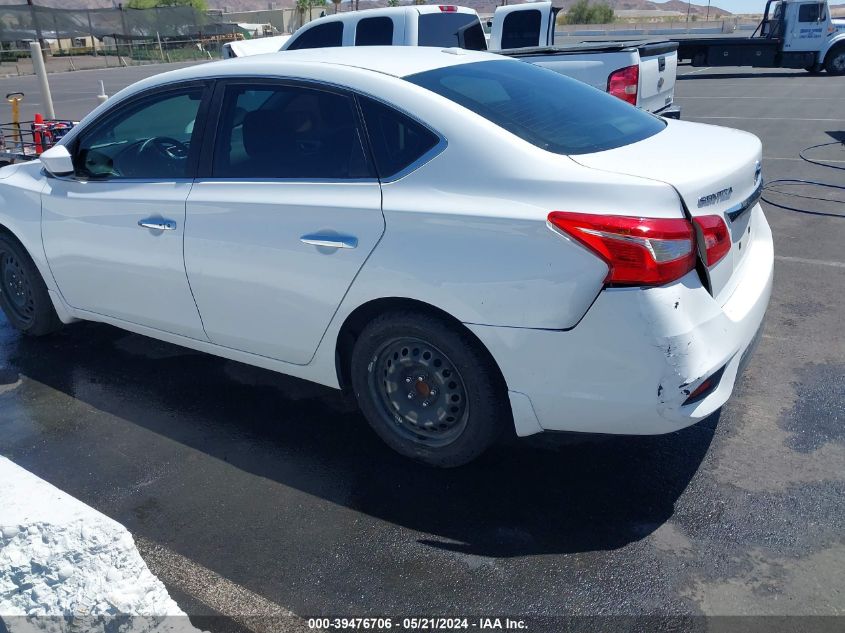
520,499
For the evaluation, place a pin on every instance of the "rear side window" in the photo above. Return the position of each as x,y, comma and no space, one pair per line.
521,28
374,32
320,36
282,131
447,30
810,12
397,140
551,111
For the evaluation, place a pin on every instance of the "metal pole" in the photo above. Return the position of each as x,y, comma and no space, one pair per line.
160,49
707,17
35,23
41,73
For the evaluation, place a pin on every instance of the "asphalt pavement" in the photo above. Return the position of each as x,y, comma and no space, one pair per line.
278,487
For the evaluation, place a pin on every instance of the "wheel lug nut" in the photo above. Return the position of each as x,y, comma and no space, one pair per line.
408,379
420,378
433,392
425,404
410,395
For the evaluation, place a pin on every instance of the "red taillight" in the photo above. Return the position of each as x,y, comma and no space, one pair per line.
448,8
623,83
714,238
638,251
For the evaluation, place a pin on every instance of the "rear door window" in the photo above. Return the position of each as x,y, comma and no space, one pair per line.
553,112
374,32
447,30
320,36
521,28
271,131
397,140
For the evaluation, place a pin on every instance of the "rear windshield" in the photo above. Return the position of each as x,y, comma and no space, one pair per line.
551,111
447,30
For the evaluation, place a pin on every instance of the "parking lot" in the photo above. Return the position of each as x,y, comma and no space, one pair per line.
252,493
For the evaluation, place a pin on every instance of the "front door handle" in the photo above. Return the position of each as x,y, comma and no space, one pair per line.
330,240
157,224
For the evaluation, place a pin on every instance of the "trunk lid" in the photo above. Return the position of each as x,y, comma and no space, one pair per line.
715,170
658,68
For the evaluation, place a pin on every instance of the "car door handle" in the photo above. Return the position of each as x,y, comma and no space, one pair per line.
157,224
330,241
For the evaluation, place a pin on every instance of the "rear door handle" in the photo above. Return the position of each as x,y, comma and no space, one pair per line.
329,240
157,224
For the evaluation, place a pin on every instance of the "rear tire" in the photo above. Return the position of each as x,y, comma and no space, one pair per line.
23,293
834,62
428,389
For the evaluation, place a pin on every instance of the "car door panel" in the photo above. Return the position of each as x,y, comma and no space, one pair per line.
105,263
259,287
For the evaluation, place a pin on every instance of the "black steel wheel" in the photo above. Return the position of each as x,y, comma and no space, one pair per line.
420,390
430,390
17,288
23,294
834,62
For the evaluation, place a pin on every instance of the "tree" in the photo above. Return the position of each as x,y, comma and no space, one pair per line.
582,12
336,5
393,3
199,5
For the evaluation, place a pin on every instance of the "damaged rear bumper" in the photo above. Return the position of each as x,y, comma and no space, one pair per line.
631,364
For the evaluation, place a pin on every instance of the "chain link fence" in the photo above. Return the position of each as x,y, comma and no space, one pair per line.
96,38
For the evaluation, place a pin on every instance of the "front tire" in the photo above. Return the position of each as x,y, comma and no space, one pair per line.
834,62
428,389
23,293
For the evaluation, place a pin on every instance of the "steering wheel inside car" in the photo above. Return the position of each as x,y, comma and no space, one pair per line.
166,147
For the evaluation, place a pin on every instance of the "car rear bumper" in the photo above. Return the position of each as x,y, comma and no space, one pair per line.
632,362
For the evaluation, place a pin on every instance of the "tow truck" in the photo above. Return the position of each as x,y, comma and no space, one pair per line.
792,34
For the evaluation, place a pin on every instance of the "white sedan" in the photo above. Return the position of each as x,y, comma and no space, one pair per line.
465,242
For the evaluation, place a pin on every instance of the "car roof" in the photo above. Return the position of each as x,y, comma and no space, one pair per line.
398,61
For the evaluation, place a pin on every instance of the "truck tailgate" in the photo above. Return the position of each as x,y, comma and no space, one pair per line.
658,69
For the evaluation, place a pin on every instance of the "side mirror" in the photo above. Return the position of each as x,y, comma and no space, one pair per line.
57,160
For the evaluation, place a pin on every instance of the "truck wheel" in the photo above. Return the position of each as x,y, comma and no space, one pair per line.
23,294
834,63
430,391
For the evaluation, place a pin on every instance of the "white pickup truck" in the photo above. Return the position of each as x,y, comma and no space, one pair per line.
641,73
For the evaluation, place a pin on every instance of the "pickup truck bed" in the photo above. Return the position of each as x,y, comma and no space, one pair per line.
657,65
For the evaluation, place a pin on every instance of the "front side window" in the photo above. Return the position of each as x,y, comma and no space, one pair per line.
284,131
448,30
149,138
521,28
320,36
374,32
397,140
553,112
810,12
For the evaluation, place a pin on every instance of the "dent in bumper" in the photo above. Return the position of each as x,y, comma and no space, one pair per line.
630,364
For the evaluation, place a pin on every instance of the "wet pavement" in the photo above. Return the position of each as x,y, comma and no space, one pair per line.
280,487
